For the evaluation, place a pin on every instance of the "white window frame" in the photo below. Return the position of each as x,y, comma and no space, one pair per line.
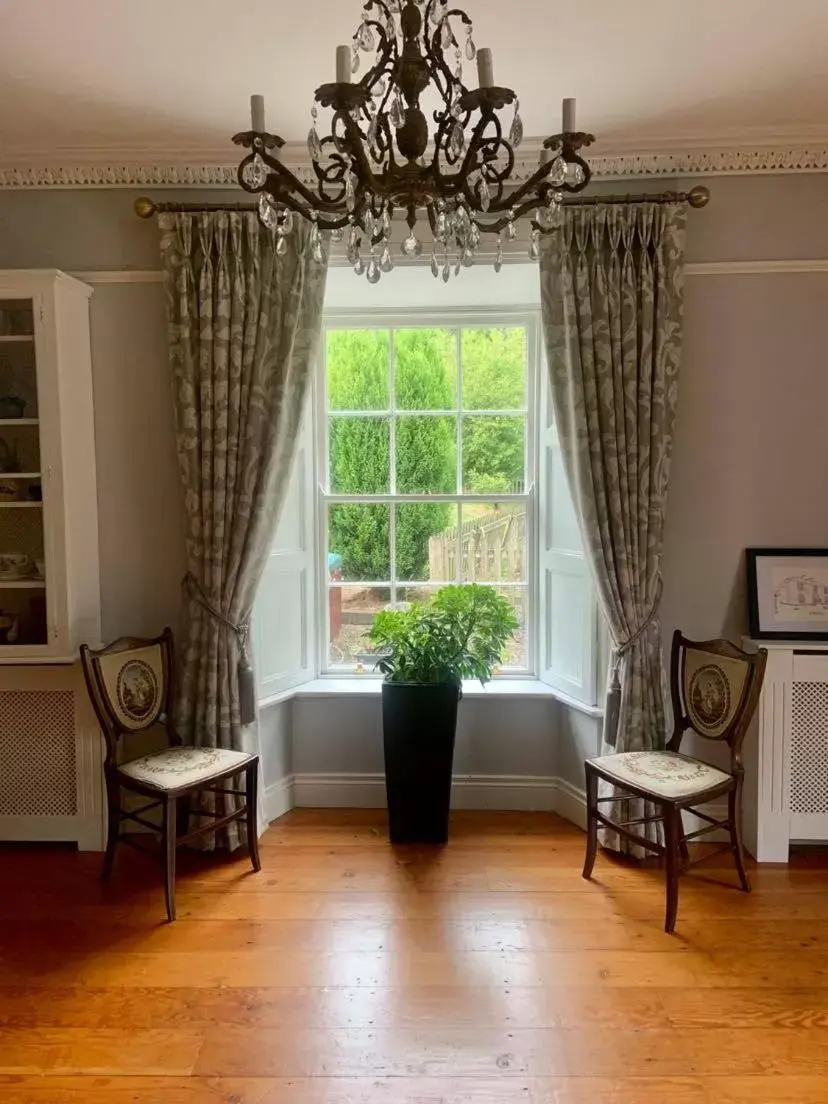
430,318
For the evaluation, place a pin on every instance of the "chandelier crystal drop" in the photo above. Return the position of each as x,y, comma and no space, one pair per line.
378,153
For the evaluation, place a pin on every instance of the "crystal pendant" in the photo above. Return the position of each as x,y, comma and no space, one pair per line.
473,241
352,247
511,229
316,243
574,173
365,37
411,246
484,194
516,129
386,261
446,35
446,272
267,211
458,266
350,193
397,112
441,225
386,221
314,145
390,29
254,173
498,262
471,49
455,108
354,58
457,140
287,221
359,267
557,171
435,268
281,244
337,235
534,244
438,11
369,223
467,257
373,272
372,133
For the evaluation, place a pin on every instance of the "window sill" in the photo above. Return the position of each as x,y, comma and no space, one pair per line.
371,687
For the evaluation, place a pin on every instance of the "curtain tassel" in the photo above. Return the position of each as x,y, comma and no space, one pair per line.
246,677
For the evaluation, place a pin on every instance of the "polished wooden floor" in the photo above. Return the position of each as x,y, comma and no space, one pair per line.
350,973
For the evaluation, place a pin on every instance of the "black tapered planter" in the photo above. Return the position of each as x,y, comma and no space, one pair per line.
418,727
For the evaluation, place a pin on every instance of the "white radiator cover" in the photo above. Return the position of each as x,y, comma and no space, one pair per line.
51,784
786,760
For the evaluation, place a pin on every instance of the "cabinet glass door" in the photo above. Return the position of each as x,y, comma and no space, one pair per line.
23,579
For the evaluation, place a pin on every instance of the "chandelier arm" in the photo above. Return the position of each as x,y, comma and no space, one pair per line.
287,183
389,50
434,52
486,116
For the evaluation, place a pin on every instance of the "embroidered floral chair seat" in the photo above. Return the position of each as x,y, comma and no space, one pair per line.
662,773
131,687
183,766
715,688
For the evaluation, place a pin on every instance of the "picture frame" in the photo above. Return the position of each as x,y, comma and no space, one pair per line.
787,593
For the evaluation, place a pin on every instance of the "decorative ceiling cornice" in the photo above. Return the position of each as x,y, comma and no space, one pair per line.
209,170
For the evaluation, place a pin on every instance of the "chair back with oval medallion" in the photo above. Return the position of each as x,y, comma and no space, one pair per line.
715,688
130,683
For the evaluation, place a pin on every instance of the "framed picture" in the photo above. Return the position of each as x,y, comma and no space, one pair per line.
788,593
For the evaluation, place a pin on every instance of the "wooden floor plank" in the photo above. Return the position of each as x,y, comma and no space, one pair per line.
349,972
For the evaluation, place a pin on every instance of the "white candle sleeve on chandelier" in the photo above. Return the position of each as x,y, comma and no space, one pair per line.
257,115
343,65
569,116
485,68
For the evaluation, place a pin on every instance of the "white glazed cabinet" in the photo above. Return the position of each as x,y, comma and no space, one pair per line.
49,578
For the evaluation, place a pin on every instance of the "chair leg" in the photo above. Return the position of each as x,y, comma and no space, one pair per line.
182,816
592,821
672,831
170,823
251,797
684,850
113,829
734,812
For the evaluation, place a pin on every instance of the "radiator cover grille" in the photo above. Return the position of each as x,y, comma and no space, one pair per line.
37,753
809,747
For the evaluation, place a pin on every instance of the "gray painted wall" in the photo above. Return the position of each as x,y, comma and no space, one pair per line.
750,456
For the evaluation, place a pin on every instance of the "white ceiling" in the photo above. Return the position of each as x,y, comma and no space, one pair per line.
106,78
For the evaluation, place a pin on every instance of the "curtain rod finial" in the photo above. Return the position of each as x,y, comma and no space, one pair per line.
697,197
144,207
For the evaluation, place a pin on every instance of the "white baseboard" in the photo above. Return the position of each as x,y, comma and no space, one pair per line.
476,791
278,798
524,793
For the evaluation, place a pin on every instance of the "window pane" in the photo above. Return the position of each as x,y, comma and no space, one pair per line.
426,454
515,653
359,455
494,542
357,369
493,454
358,543
425,369
426,535
416,594
351,611
494,368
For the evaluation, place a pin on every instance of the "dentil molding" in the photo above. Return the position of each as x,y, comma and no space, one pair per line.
88,169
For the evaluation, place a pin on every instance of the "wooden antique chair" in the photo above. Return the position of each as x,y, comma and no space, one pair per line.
130,683
715,688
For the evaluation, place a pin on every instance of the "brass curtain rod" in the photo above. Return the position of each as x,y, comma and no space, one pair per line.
697,198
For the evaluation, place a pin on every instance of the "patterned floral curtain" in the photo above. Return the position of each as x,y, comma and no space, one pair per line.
243,328
611,290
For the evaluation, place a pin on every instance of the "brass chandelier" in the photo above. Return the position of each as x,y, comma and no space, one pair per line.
378,156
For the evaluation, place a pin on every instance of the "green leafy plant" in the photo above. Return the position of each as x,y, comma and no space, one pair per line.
460,633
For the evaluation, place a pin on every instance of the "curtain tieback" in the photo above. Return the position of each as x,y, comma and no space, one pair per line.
247,682
627,645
